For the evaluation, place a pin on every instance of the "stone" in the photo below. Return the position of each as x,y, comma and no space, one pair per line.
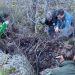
18,62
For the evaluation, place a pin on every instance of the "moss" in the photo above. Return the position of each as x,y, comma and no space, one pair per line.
7,71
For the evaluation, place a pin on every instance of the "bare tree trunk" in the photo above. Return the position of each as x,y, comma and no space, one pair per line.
34,13
46,9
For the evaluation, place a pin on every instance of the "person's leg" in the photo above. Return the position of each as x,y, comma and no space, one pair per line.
51,30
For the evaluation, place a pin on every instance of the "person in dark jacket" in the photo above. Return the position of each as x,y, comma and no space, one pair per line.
50,21
67,63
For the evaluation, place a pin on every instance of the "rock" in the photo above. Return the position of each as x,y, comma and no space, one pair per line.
18,62
21,64
3,58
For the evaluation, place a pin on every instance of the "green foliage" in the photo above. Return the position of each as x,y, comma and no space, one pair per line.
12,69
7,71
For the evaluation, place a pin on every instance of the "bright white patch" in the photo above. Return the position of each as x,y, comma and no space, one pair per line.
7,22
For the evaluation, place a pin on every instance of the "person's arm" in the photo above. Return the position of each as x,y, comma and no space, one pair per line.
67,25
50,73
57,26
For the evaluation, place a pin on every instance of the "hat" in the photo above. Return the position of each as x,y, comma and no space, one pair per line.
49,15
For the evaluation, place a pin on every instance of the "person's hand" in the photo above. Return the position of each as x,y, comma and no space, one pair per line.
56,29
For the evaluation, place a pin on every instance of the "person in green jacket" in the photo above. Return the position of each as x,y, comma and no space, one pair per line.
67,63
3,26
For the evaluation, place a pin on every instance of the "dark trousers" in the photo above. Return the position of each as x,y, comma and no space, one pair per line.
51,30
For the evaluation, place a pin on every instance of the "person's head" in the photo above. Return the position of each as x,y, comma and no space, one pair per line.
5,16
49,16
60,14
1,19
67,54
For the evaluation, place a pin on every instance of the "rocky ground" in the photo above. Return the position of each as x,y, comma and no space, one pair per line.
24,49
17,63
39,49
